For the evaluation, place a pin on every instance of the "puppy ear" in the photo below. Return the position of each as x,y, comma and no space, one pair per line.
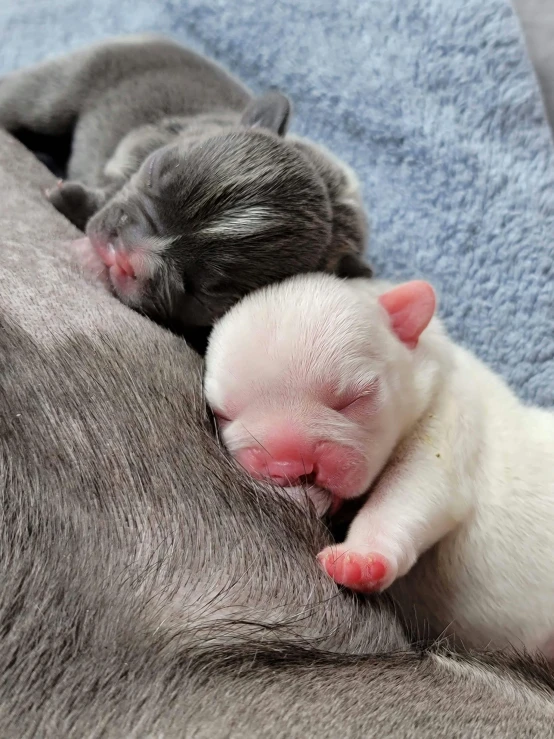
410,307
271,111
351,265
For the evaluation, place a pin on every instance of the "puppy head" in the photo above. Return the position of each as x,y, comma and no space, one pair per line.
199,226
314,379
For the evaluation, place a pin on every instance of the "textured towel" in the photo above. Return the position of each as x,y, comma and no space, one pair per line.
433,102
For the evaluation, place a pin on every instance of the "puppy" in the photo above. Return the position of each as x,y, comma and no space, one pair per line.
188,187
354,386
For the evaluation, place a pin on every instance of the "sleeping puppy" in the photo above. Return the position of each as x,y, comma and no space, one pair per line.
190,191
354,386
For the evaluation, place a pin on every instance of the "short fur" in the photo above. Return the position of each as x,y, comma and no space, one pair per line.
148,588
342,380
176,166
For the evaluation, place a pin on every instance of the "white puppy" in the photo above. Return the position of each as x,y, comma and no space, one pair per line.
355,386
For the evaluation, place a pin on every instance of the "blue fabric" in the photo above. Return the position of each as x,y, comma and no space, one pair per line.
435,105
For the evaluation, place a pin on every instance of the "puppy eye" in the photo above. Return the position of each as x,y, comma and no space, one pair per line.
356,398
188,285
221,418
219,287
342,405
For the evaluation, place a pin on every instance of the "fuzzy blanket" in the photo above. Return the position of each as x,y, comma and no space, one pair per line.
433,102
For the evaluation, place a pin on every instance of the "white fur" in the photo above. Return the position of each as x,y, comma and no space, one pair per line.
241,221
463,462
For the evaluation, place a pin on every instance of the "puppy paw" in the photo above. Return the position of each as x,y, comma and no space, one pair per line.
365,572
74,201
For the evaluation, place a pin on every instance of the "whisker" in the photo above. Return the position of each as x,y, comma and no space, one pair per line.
256,440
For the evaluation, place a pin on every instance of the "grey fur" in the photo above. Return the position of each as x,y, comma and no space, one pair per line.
168,146
149,589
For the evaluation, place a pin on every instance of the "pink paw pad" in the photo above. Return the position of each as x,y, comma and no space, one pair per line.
365,573
48,191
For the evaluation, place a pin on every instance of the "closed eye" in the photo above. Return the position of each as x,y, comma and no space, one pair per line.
357,397
343,406
221,418
218,287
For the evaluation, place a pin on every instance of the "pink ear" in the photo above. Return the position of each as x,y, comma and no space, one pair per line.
410,307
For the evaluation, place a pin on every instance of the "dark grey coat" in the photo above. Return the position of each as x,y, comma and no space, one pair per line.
171,153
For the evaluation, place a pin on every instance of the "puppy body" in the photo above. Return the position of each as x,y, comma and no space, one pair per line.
355,385
188,187
149,589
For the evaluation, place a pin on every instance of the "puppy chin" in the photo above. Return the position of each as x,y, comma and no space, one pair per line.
85,256
305,496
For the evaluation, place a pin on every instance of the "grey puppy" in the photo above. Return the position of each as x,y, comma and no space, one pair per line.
149,589
190,191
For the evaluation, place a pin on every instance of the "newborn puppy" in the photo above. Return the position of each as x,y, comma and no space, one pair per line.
189,190
354,385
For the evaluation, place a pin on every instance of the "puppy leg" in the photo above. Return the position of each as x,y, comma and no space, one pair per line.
412,507
76,202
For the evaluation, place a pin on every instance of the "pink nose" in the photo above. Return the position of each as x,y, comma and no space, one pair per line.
282,472
118,258
124,263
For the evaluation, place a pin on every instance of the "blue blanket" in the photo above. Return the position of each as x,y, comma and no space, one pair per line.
435,105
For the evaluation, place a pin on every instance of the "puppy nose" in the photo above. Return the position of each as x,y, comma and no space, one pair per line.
123,261
280,471
114,255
